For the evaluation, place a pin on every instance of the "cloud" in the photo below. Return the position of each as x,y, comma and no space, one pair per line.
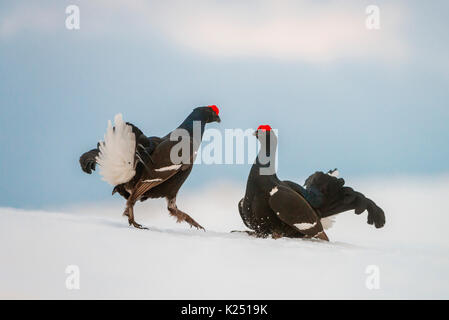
289,30
299,30
29,18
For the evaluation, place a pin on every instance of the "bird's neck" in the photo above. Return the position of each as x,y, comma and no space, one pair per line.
265,164
194,123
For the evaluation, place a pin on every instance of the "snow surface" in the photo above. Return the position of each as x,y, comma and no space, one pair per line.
172,261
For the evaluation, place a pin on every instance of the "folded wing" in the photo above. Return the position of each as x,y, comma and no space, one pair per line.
163,167
295,211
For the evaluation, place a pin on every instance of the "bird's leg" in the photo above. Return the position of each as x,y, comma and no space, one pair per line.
322,236
138,191
129,212
276,235
180,215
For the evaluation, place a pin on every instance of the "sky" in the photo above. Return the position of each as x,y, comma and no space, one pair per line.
373,103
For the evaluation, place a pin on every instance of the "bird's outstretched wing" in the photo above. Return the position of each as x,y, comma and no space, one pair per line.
337,198
295,211
87,160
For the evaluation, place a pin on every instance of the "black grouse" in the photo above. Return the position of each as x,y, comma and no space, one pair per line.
141,167
276,208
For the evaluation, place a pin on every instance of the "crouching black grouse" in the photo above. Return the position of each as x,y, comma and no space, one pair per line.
141,167
285,209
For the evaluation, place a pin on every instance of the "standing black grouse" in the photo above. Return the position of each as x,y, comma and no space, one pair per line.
141,167
285,209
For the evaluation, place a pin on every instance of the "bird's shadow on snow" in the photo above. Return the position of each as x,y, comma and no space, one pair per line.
315,243
211,234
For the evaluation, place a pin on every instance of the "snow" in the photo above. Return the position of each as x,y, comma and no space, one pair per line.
172,261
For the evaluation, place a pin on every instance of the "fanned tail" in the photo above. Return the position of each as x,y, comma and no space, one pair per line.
339,198
327,222
117,153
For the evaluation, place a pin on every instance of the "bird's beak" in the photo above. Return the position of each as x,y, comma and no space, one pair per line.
218,119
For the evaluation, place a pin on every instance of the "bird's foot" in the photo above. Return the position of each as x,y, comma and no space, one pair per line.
321,235
182,216
193,223
276,235
244,231
136,225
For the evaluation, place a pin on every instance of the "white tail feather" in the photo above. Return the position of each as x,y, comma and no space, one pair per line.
117,153
334,173
328,222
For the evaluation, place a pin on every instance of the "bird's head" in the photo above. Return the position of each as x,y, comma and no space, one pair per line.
266,132
209,113
266,158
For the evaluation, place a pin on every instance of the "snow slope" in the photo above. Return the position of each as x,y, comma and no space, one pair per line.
172,261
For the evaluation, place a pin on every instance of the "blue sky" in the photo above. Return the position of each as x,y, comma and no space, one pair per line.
372,103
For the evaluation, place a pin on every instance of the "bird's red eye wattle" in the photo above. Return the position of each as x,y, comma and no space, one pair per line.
264,127
214,107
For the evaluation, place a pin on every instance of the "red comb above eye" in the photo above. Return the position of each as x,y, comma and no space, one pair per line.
264,127
214,107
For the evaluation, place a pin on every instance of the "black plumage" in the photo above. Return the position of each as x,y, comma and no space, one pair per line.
156,175
276,208
329,196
